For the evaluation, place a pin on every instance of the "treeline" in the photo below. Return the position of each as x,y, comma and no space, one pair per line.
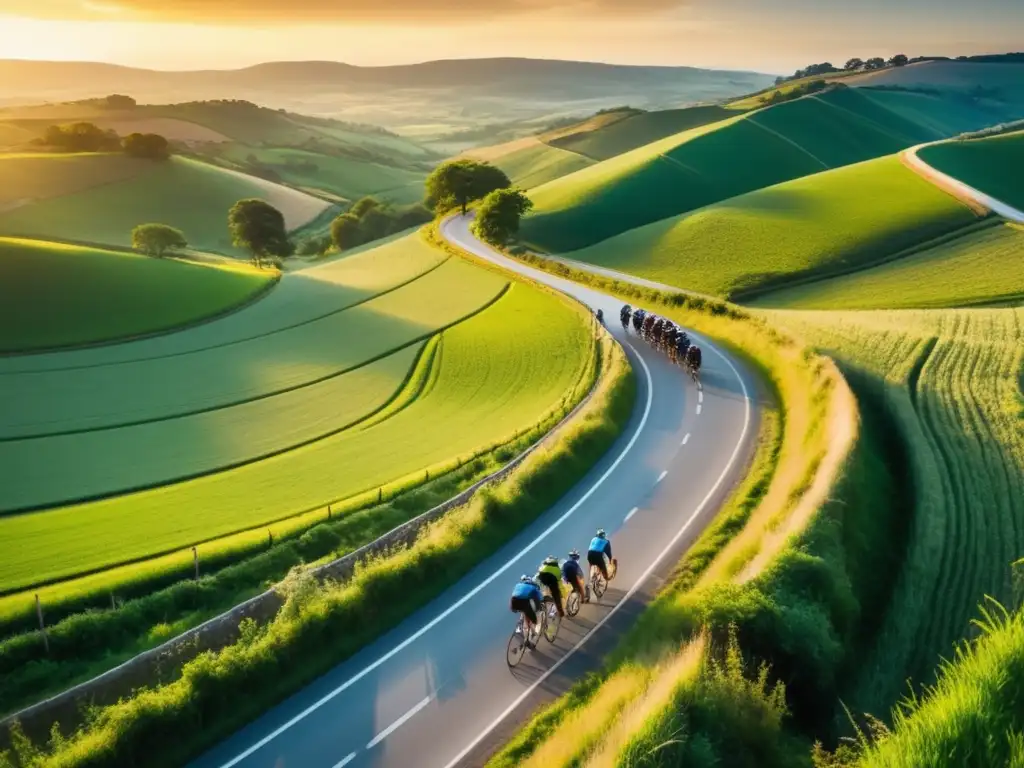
89,137
366,220
814,86
857,64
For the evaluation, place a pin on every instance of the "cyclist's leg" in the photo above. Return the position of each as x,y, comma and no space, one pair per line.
604,567
556,594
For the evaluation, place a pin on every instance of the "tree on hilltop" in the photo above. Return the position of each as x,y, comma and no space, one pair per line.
151,146
80,137
457,183
853,64
119,101
499,215
259,227
876,62
899,60
157,239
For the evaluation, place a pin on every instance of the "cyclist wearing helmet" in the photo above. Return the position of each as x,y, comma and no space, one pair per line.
600,552
572,574
549,575
526,599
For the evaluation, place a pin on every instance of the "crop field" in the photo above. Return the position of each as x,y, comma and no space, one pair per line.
994,165
1004,81
484,385
347,178
984,265
301,297
714,162
293,359
191,196
944,114
52,295
951,380
616,137
819,225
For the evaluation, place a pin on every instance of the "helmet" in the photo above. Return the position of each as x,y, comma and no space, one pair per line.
550,560
526,579
601,534
575,554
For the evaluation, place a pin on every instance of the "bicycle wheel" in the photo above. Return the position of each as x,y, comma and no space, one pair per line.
516,646
598,584
572,603
553,621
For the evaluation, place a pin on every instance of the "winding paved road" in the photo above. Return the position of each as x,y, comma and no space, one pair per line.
435,692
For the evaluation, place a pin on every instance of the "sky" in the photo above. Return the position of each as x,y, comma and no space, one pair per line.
775,36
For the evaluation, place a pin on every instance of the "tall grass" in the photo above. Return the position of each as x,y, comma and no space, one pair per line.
317,627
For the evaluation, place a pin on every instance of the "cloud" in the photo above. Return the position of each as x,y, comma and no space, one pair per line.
340,11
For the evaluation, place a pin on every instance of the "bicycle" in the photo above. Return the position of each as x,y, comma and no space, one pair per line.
548,623
598,583
572,602
517,644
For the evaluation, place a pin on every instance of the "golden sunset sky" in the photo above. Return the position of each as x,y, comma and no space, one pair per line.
764,35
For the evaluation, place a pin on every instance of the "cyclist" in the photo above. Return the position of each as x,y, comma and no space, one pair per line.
526,599
624,315
572,574
549,575
600,552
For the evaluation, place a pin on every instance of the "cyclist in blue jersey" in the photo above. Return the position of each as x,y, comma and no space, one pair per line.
600,552
526,599
572,574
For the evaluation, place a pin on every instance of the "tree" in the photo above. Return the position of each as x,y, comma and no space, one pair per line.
854,64
157,239
314,246
377,222
259,227
80,137
151,146
874,63
499,215
457,183
899,60
362,205
346,232
119,101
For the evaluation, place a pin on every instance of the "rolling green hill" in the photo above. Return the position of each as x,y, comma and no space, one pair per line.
823,224
100,198
54,295
536,163
715,162
993,165
982,265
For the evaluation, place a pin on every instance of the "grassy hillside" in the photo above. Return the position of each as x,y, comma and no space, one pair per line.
484,385
537,163
994,165
822,224
950,384
100,198
53,295
983,265
713,163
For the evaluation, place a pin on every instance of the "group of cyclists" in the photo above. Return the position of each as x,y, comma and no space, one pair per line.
528,594
665,335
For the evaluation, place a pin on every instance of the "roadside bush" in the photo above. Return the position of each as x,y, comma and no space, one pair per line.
370,219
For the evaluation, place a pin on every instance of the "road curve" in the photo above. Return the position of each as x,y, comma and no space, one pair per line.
957,188
435,692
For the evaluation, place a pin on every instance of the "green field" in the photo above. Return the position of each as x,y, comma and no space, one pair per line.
616,138
30,178
486,385
186,194
341,176
302,296
538,164
715,162
950,381
994,165
54,295
822,224
984,265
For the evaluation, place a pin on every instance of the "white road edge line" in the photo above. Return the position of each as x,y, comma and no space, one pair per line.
643,577
345,760
397,724
699,408
700,395
631,512
661,476
463,600
686,439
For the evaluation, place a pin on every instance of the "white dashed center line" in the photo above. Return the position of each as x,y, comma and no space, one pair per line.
661,476
699,407
632,512
700,395
397,724
686,439
345,760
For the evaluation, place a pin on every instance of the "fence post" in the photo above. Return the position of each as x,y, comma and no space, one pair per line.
426,475
195,561
270,538
380,495
328,511
42,625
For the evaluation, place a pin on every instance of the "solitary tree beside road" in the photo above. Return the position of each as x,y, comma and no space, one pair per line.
459,182
499,215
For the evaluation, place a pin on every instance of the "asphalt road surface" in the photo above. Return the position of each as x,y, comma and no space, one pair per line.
436,691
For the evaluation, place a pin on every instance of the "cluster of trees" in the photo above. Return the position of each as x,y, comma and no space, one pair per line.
369,219
814,86
89,137
853,65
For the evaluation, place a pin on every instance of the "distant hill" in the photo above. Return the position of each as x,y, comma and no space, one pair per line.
426,99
